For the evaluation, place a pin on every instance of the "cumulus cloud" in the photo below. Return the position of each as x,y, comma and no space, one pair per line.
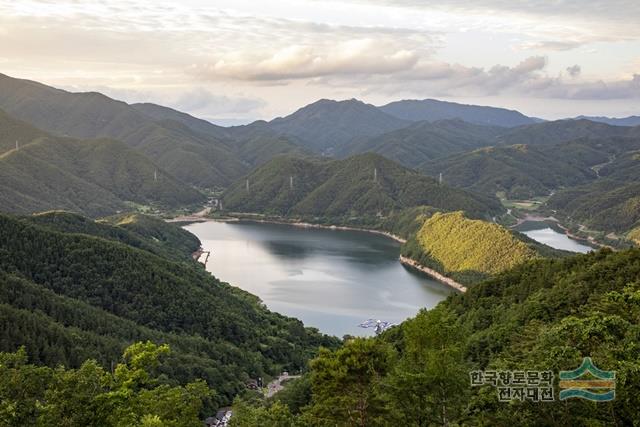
357,56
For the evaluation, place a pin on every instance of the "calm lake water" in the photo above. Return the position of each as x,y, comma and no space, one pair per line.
329,279
541,232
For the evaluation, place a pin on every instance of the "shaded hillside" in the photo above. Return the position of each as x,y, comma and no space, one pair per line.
470,250
92,177
67,297
13,130
426,141
560,131
545,315
253,144
366,184
326,125
614,121
606,205
526,170
521,171
192,157
136,230
433,110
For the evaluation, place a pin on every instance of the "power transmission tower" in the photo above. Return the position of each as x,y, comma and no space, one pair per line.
155,175
247,185
440,179
375,174
17,145
291,182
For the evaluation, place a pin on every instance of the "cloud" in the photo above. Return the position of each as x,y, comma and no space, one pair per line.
352,57
574,70
202,100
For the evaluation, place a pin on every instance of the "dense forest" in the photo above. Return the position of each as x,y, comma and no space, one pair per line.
544,315
471,250
363,185
73,290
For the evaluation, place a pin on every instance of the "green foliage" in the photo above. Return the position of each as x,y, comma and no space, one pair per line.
610,203
91,396
422,142
468,250
344,189
137,230
68,297
12,130
326,125
528,169
91,177
346,384
541,315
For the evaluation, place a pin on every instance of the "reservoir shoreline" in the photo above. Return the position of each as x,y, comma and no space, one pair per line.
432,273
403,260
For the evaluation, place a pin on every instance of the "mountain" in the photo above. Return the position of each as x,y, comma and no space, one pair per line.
433,110
362,185
614,121
160,113
540,163
13,130
471,250
611,203
72,291
520,171
560,131
326,125
94,177
425,141
192,157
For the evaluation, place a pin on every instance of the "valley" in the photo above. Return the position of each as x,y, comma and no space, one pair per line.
454,223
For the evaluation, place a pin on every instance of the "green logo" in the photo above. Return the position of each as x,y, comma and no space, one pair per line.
599,388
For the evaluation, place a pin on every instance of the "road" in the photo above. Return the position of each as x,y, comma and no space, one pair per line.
276,385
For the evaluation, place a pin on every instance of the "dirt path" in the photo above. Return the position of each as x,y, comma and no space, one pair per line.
276,385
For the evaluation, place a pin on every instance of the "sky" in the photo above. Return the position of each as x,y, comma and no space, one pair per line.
233,61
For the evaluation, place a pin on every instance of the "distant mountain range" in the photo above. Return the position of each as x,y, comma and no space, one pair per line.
433,110
613,121
92,154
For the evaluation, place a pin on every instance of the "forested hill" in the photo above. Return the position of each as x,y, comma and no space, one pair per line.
527,170
326,125
362,185
93,177
425,141
545,315
72,290
471,250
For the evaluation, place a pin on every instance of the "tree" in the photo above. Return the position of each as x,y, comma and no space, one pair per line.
430,381
346,384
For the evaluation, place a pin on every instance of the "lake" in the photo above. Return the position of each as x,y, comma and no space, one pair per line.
330,279
541,232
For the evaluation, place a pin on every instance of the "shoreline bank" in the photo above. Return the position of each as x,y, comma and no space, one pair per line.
432,273
403,260
326,227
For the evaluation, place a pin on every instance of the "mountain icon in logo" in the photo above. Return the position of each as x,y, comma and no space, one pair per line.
600,388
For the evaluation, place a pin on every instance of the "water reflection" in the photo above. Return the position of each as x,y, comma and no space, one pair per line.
329,279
